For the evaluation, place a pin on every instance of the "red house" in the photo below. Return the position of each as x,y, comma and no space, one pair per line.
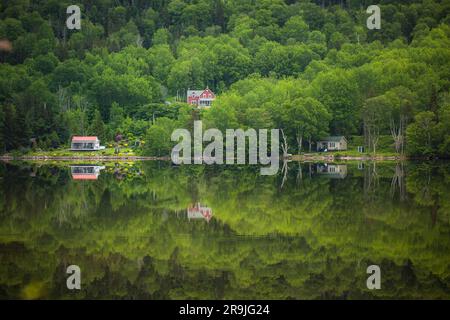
201,98
85,143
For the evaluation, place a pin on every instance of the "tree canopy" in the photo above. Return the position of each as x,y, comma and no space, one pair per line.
137,54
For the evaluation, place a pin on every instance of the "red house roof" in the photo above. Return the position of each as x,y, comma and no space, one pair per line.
207,93
84,138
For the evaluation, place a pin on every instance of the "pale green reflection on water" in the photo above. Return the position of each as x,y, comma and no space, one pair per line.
154,231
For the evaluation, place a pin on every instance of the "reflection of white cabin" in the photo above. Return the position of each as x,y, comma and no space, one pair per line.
335,171
199,212
85,143
85,172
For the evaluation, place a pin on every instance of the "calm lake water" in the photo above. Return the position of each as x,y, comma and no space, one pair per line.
154,231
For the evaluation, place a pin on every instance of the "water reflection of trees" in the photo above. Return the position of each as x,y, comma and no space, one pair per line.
303,241
371,180
398,181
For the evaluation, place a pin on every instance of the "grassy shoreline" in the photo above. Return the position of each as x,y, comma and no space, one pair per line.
132,157
87,158
350,157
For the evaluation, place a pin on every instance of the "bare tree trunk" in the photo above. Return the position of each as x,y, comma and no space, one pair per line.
139,41
284,145
371,133
299,142
367,136
62,98
285,148
398,134
374,143
403,122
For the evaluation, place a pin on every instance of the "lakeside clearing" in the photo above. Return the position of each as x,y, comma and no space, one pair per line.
132,157
349,156
385,152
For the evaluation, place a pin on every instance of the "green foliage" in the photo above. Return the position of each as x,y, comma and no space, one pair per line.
134,55
260,243
2,128
307,118
97,127
422,134
295,28
44,63
339,93
157,138
133,128
77,122
161,37
444,130
15,132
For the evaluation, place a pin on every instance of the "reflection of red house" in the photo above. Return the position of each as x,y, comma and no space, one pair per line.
199,212
201,98
85,172
84,177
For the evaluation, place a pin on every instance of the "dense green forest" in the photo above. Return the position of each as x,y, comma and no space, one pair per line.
310,68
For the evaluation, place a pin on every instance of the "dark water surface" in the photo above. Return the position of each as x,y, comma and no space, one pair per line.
154,231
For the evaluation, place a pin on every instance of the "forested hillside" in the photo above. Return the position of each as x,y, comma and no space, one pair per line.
311,68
